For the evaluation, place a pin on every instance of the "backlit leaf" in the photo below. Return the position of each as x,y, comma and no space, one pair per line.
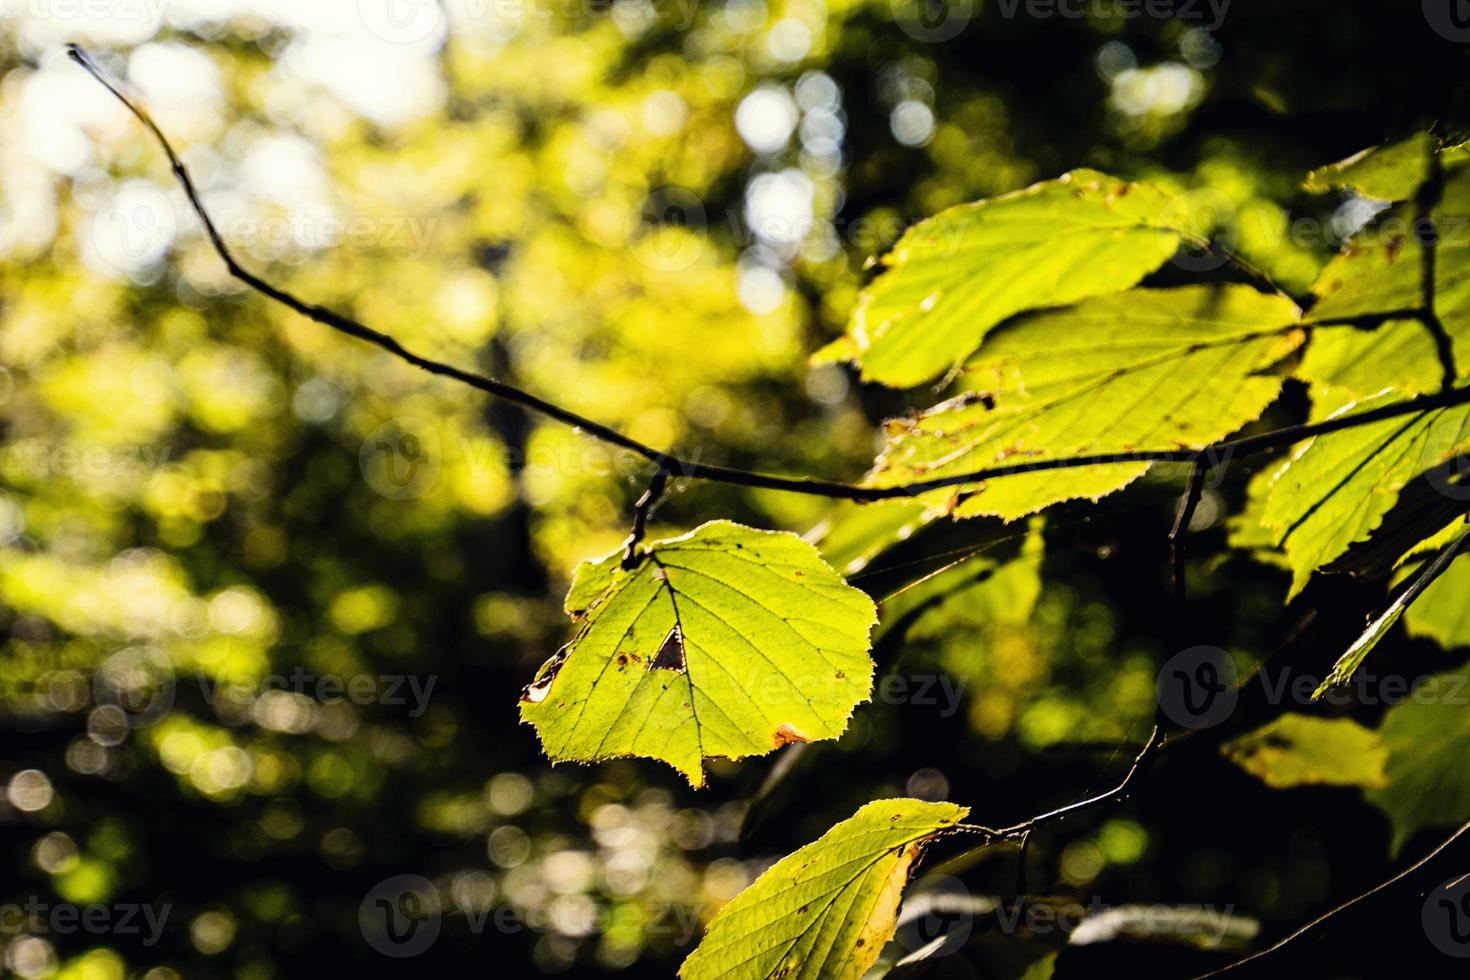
826,910
1427,737
951,278
728,642
1419,580
1442,613
1336,489
1392,172
1299,750
1146,369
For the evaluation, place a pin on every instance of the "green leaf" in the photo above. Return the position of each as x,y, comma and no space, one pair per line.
1299,750
1428,739
1422,578
1336,489
726,642
826,910
1397,356
1381,272
1146,369
1392,172
951,278
1442,612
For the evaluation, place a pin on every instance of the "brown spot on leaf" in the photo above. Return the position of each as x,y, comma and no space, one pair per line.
785,734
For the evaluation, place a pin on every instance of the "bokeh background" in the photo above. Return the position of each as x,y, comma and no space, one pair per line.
653,212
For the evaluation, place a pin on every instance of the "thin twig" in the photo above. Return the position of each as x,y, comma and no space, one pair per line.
683,466
1117,794
1317,923
1187,507
1427,232
641,510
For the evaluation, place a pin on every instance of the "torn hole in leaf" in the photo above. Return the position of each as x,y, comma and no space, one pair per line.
670,656
536,691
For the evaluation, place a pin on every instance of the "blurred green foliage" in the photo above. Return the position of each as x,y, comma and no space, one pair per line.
653,213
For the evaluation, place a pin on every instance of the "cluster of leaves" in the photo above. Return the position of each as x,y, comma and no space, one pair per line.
731,641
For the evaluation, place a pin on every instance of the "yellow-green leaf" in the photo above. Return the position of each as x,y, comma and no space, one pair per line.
1299,750
726,642
1146,369
1442,613
824,911
1336,489
951,278
1392,172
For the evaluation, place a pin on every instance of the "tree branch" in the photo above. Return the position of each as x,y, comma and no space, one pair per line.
1117,794
677,465
1255,958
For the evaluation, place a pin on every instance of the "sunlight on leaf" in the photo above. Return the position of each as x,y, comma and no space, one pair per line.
1391,172
1300,750
1146,369
726,642
1442,612
1336,489
826,910
953,277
